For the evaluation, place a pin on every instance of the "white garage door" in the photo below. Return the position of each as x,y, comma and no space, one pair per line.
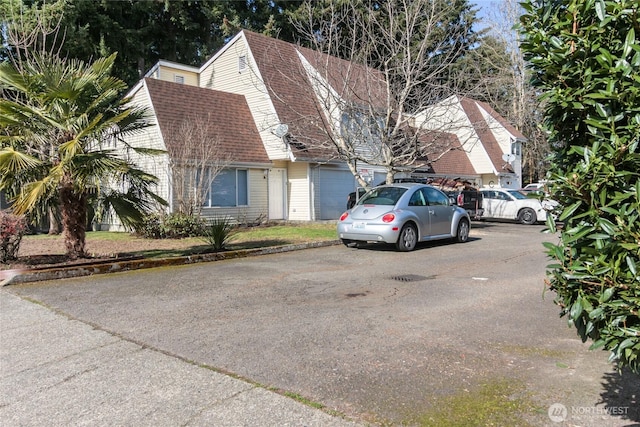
332,189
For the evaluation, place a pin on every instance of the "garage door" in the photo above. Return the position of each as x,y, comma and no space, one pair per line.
332,189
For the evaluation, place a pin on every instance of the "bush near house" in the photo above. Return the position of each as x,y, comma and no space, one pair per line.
12,228
171,226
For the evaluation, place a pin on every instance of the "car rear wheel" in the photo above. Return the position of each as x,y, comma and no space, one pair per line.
462,234
408,238
527,216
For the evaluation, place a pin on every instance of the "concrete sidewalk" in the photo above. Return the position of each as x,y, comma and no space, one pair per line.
59,371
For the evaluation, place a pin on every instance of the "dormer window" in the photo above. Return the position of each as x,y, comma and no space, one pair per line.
178,79
242,63
516,148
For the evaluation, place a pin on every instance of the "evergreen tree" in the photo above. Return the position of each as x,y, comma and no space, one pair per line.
143,32
585,57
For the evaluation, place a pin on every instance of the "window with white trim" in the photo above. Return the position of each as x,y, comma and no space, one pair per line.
242,63
178,78
229,188
516,148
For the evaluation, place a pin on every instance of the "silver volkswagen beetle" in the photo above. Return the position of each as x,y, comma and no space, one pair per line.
403,214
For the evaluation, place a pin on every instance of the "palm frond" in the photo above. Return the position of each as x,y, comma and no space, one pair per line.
11,114
32,195
130,207
13,161
71,148
10,78
94,167
103,66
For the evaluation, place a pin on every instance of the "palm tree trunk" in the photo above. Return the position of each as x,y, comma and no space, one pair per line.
73,210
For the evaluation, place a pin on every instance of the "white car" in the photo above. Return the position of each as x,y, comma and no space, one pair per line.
536,186
511,205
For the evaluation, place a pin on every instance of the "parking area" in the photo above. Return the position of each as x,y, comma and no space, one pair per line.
378,335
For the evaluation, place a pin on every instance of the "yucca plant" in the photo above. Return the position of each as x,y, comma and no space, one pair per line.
219,232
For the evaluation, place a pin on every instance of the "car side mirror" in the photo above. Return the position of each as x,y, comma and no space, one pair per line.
452,200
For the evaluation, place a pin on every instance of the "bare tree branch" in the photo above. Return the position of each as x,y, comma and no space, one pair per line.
32,29
508,87
196,159
395,56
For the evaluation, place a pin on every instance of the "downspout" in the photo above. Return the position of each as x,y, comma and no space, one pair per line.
313,192
170,189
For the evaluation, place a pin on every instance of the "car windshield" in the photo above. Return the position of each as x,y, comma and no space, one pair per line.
383,196
516,194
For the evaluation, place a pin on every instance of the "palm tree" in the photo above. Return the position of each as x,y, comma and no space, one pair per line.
60,123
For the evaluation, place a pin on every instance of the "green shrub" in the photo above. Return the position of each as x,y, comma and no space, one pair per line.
151,227
585,56
179,225
219,232
172,226
12,228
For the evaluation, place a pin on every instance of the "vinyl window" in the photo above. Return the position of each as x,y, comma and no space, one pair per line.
229,188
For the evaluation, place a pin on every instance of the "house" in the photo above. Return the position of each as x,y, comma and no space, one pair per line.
272,75
255,93
186,121
487,149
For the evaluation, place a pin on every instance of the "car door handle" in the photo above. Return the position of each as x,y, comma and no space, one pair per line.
431,212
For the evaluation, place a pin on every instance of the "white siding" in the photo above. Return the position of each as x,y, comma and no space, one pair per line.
489,180
156,165
299,192
151,137
505,139
222,74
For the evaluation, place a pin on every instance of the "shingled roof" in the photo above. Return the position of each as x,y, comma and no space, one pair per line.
453,160
226,115
292,93
472,109
289,90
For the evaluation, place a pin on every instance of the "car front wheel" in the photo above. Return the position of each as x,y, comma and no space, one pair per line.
527,216
462,234
408,238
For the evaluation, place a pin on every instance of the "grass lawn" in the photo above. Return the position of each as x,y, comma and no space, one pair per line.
110,243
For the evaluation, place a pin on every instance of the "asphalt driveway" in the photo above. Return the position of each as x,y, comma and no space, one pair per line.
377,335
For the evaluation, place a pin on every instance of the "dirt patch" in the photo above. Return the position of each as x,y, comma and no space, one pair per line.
46,252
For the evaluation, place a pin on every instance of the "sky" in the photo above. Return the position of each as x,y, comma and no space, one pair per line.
488,10
484,7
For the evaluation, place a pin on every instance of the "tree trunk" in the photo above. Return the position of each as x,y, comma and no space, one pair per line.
73,209
54,221
390,175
